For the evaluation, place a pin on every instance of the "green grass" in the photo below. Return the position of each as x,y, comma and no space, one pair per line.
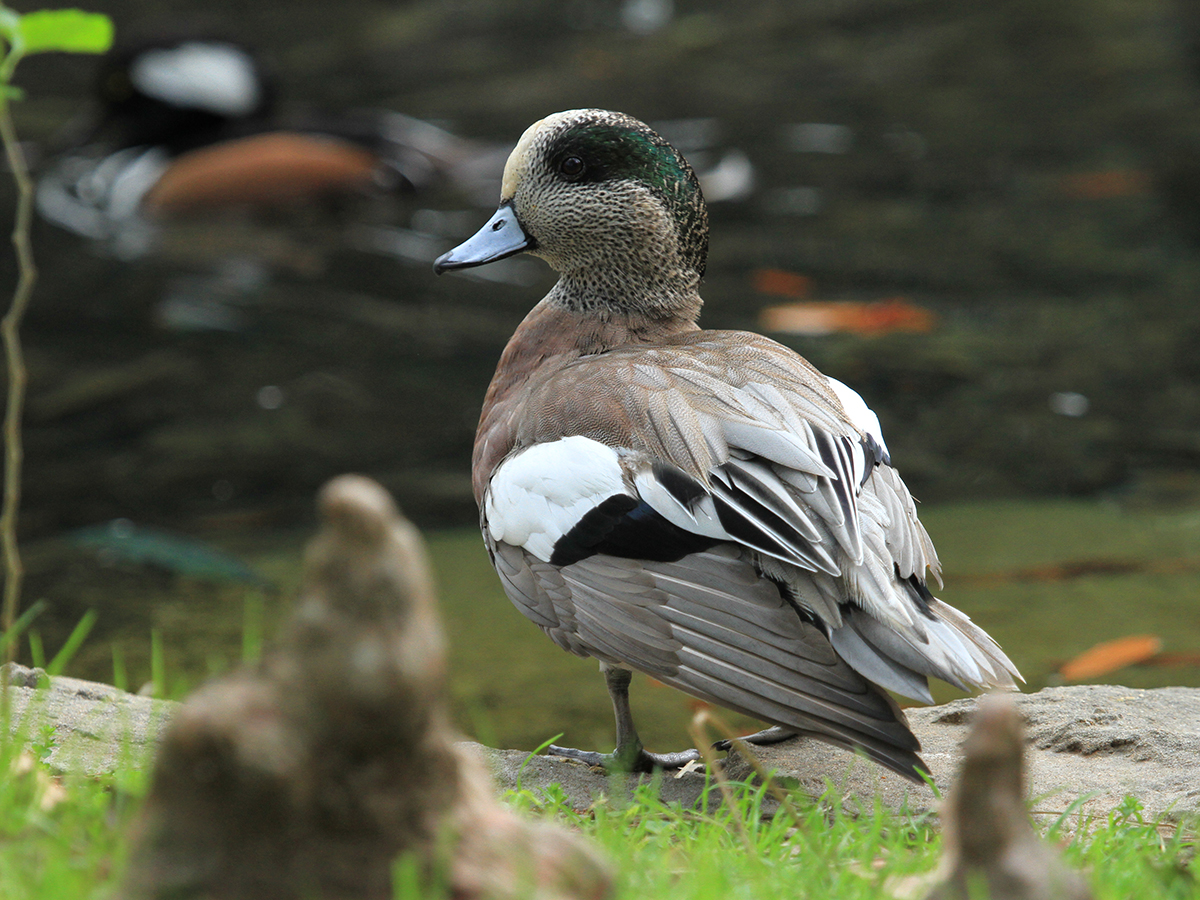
61,837
665,852
662,850
68,838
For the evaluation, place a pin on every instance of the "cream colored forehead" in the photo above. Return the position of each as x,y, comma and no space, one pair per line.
523,155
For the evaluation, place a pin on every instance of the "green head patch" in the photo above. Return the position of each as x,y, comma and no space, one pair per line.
599,146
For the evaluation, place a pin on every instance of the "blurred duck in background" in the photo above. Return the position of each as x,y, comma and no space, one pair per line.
188,131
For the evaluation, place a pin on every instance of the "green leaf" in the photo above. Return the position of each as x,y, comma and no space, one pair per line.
12,92
66,30
10,26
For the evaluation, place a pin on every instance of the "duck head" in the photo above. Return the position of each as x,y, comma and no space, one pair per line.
609,204
180,93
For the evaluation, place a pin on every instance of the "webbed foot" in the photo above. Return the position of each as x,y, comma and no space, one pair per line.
636,760
776,734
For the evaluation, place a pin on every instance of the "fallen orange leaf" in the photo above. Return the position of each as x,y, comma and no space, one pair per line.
1106,184
1111,656
782,283
893,314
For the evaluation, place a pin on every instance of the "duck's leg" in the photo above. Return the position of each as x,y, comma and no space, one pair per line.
630,755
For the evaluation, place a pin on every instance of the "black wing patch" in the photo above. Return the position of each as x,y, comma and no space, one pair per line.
919,594
626,527
875,455
680,485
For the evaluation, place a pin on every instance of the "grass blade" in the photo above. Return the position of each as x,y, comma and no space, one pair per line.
9,638
78,635
120,675
252,628
158,665
37,653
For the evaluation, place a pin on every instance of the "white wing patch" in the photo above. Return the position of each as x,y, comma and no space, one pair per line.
216,77
537,496
860,415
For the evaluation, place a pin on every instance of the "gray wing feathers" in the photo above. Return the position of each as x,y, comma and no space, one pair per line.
761,480
879,667
781,447
907,540
538,590
767,661
529,593
784,476
711,626
845,542
953,649
768,524
997,667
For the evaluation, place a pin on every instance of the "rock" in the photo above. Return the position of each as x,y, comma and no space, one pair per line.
582,783
82,726
332,765
1098,742
1087,744
989,842
1091,744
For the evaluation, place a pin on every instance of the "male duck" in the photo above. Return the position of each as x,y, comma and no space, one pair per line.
188,127
702,506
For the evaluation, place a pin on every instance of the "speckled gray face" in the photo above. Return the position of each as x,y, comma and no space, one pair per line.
599,193
579,178
605,149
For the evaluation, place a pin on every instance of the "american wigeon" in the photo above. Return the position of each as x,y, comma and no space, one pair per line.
702,506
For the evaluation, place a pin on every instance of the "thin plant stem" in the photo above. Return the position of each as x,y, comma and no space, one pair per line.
14,358
696,729
707,718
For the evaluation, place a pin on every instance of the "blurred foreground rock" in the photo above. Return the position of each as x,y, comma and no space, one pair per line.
311,774
991,848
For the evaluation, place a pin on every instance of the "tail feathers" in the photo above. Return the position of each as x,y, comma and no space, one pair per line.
953,649
906,763
890,743
877,666
998,669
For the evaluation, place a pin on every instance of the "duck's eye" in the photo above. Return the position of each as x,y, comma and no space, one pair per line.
571,167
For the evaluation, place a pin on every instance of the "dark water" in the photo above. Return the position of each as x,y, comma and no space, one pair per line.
1022,172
